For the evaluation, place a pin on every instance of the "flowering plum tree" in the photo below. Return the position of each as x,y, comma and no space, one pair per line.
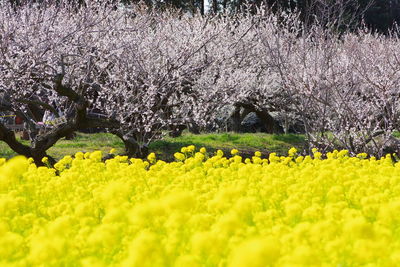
137,67
45,59
344,89
148,73
152,84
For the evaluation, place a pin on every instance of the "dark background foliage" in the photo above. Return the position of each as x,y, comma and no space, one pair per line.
377,15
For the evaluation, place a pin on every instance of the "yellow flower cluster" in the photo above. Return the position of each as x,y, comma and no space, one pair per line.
201,211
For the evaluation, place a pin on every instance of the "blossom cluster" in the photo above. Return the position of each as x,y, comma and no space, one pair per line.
201,210
178,70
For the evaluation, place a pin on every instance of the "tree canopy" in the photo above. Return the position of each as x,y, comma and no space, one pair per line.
378,16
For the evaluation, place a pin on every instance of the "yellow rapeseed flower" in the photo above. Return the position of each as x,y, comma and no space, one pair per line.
257,154
234,152
45,160
318,210
151,157
179,156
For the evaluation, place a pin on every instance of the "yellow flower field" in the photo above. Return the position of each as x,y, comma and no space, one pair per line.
201,211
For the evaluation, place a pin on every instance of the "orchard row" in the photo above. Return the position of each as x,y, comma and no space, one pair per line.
139,73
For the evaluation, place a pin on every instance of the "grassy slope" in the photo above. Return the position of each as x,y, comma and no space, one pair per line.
247,144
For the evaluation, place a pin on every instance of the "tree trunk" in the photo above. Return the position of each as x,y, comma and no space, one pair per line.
271,125
132,148
201,3
176,131
235,120
8,136
224,4
40,143
194,128
214,6
38,155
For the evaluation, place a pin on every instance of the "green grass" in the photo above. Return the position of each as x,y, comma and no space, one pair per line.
82,142
246,143
396,134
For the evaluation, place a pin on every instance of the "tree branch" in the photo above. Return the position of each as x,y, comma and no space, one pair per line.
8,136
